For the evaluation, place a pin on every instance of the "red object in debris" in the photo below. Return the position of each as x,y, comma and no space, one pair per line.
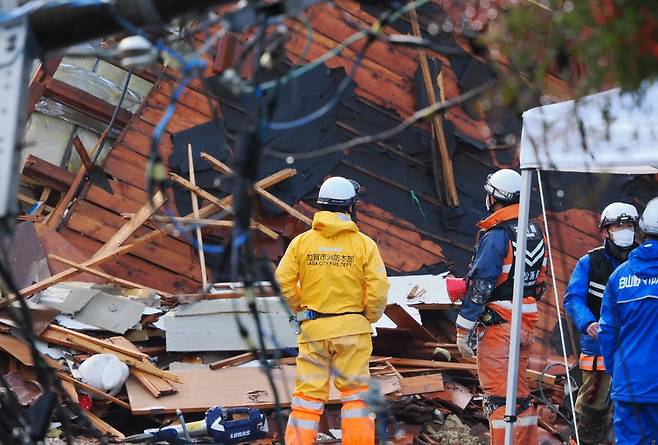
85,402
456,289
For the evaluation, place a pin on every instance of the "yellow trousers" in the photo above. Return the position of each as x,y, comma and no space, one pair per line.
347,359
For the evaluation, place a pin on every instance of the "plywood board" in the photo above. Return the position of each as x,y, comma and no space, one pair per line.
421,384
228,387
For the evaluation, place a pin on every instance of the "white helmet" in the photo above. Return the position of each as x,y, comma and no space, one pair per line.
649,220
504,185
338,191
617,213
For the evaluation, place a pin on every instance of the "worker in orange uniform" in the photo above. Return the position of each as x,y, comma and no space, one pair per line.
334,280
486,312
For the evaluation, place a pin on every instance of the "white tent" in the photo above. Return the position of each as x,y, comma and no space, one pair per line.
609,132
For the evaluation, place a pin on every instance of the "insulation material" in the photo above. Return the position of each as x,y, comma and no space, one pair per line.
47,138
211,325
96,85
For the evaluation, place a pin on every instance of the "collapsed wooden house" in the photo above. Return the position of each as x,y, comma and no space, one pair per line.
423,187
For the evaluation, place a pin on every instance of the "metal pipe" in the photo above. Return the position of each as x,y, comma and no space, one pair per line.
517,305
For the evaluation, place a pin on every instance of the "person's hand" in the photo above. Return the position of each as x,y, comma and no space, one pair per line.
593,330
462,344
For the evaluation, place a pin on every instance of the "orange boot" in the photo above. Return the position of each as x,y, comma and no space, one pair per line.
304,420
358,425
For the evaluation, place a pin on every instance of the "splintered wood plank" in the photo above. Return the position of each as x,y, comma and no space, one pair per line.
403,320
101,225
211,198
131,226
156,386
108,277
133,268
225,169
92,390
233,361
21,351
104,427
162,231
195,214
421,384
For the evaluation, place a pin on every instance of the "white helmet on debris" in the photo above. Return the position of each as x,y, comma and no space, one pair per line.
649,220
338,191
618,213
504,185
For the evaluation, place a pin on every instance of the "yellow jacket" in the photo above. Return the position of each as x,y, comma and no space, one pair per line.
334,268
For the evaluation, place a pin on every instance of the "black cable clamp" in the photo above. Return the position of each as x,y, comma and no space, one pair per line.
510,418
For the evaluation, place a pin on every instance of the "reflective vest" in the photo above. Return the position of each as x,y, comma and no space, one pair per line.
534,262
501,297
600,270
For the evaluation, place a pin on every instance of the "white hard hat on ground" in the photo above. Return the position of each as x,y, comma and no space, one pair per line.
649,220
617,213
338,191
504,185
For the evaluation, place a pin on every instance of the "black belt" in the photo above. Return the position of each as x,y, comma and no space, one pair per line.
492,403
491,318
310,314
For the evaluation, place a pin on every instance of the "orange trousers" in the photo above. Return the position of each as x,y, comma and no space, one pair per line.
347,357
492,361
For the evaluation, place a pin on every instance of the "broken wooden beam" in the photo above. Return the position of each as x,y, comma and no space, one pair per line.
225,169
84,102
207,211
213,199
437,124
92,390
195,214
233,361
107,276
103,426
183,220
126,231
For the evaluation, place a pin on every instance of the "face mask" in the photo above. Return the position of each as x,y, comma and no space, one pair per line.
623,238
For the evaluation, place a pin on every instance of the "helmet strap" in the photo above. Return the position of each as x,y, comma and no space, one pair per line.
352,212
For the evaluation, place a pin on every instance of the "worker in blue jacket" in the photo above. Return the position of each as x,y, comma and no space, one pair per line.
628,337
583,305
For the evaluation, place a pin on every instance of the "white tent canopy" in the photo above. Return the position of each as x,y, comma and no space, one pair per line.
609,132
606,132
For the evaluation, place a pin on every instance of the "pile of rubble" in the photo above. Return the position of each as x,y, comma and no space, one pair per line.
135,362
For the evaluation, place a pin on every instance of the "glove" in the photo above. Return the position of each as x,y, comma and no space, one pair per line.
462,343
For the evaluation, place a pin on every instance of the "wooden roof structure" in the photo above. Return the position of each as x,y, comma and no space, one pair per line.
414,228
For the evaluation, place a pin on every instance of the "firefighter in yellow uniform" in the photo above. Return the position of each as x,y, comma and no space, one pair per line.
334,280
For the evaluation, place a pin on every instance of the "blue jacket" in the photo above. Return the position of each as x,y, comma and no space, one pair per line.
575,302
628,338
487,265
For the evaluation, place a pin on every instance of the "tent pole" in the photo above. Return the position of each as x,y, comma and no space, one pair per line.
517,304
